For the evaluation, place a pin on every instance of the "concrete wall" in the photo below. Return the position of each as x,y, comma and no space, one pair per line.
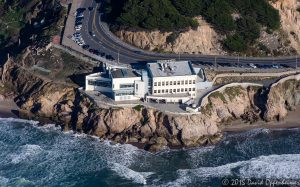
205,100
292,77
279,74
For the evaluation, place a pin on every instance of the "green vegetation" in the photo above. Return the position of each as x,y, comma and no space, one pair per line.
217,94
233,92
138,107
153,14
239,20
12,20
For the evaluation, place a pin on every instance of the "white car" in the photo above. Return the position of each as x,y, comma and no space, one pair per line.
252,66
78,28
79,15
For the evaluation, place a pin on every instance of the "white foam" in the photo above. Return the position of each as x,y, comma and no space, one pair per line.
49,127
272,166
251,133
19,120
25,153
137,177
20,181
3,181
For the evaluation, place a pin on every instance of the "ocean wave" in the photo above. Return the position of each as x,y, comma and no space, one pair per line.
250,133
3,181
11,120
272,166
26,152
137,177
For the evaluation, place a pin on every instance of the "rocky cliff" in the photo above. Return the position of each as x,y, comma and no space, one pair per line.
150,128
202,40
205,40
290,20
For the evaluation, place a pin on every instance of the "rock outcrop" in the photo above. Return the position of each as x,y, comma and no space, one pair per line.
144,126
205,40
202,40
282,97
290,20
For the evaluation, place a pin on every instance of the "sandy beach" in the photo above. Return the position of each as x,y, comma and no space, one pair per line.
6,108
291,121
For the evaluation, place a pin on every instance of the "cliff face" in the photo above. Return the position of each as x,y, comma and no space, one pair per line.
203,40
283,96
290,20
148,127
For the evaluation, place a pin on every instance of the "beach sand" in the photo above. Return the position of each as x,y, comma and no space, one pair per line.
6,109
291,121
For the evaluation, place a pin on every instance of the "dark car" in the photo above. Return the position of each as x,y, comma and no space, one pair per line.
102,54
109,57
80,10
91,8
91,50
78,23
79,19
96,52
85,46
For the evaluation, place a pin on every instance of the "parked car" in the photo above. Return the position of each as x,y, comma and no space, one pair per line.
79,15
80,10
109,57
252,66
91,8
85,47
96,52
92,33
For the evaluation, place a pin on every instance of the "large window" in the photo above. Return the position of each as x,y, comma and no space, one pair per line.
126,85
121,93
100,83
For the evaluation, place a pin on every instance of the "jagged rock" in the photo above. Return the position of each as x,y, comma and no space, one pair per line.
71,108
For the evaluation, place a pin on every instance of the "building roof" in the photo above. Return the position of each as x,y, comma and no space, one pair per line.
123,73
170,68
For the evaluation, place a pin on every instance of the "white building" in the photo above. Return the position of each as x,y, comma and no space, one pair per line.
120,84
172,81
162,81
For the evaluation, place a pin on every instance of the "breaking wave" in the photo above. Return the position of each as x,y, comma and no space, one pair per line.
32,155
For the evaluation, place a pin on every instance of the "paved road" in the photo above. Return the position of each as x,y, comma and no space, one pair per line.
106,42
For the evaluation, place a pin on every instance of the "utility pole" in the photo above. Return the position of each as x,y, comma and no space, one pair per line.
118,56
297,61
215,62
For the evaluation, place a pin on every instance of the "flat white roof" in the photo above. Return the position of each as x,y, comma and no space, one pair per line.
170,68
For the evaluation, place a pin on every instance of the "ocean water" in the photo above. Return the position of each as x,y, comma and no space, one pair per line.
46,156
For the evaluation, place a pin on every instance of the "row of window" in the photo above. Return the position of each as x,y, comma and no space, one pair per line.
167,83
178,90
99,83
124,93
